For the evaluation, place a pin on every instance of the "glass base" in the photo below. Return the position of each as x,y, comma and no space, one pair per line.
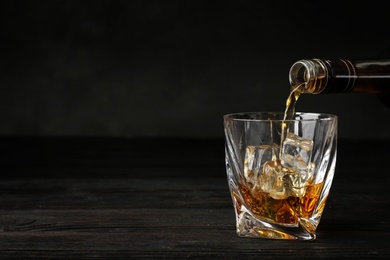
251,226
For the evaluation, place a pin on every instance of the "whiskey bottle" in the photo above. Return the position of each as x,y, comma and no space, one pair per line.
319,76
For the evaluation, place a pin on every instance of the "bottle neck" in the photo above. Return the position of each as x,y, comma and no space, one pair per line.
340,76
323,76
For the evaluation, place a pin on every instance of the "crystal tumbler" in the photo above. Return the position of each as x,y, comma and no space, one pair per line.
279,171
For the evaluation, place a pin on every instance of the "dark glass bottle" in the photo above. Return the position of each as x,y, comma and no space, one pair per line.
320,76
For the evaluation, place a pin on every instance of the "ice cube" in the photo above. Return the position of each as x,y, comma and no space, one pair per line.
273,179
297,181
296,152
255,158
296,155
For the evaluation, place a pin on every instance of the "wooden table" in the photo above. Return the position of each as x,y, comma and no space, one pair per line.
66,197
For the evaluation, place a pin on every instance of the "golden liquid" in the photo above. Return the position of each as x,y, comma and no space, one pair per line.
285,210
282,211
312,86
295,93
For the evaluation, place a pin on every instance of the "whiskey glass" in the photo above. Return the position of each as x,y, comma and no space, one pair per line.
279,172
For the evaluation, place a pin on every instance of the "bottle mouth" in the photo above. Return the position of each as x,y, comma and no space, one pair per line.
299,73
310,74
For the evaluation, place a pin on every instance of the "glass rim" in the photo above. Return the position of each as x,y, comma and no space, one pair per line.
239,116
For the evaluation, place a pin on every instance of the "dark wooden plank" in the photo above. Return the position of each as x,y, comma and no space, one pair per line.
114,193
206,228
120,199
192,232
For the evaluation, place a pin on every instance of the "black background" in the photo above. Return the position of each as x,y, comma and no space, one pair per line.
174,68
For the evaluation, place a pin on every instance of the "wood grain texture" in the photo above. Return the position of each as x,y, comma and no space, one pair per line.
107,198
